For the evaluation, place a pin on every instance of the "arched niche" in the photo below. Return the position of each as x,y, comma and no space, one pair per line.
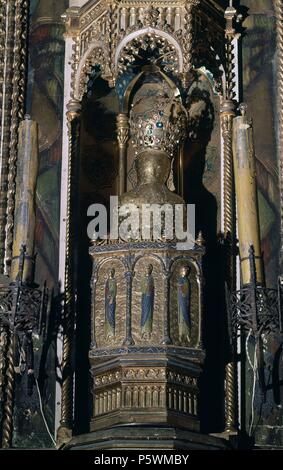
141,92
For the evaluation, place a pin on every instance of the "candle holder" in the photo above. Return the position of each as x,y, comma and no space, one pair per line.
23,312
257,310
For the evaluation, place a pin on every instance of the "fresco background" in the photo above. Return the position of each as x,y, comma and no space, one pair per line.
259,91
45,104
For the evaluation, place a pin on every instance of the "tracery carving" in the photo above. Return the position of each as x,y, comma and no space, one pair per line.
112,37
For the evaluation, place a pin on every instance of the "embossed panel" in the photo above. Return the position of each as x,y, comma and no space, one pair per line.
193,305
158,303
99,304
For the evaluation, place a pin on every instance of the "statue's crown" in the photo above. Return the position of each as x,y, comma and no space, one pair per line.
163,127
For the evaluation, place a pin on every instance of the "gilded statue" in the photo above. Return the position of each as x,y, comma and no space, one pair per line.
157,126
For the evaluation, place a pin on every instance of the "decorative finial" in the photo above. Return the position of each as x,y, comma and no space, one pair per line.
200,240
243,109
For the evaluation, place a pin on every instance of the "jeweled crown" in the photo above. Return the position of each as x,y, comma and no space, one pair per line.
161,128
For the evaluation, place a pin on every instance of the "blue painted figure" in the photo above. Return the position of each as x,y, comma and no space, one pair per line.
110,304
184,319
147,303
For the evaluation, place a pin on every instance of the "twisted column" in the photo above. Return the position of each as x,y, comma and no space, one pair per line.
6,84
123,132
17,114
7,423
66,423
166,332
227,115
279,31
188,39
3,355
129,280
94,280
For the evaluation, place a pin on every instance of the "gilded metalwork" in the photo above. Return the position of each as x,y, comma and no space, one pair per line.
7,35
129,293
3,366
256,309
7,423
160,49
143,39
227,116
188,42
158,127
157,391
229,231
99,321
123,133
14,19
129,341
111,36
22,312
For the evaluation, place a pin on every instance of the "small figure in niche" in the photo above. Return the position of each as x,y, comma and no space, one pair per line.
147,303
110,304
184,318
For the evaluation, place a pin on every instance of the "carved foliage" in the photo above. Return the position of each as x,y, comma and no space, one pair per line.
167,29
